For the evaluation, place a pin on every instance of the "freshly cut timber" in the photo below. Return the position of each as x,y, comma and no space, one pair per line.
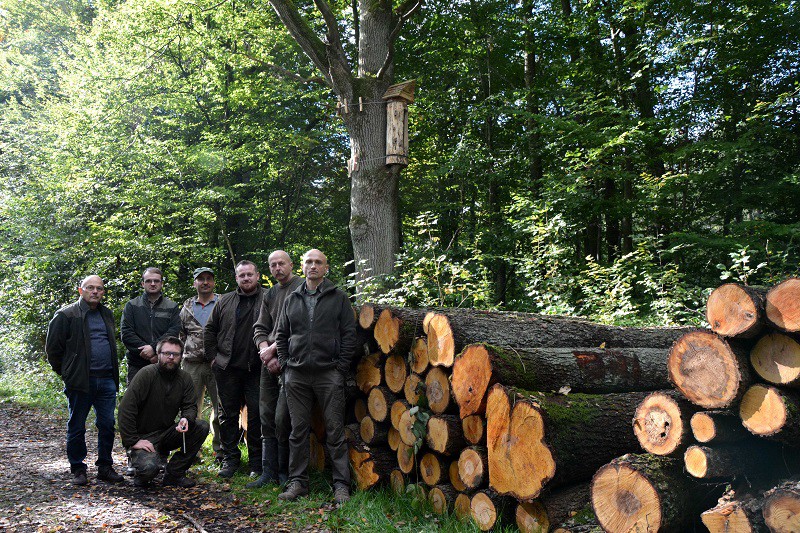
373,432
776,358
371,465
515,333
405,428
486,508
445,435
411,389
393,438
369,372
461,507
553,509
397,328
710,371
729,460
473,467
432,469
782,508
718,427
419,355
395,372
735,513
767,411
437,390
405,458
398,482
661,422
368,315
442,497
379,402
735,310
783,305
455,477
398,408
474,427
531,437
645,493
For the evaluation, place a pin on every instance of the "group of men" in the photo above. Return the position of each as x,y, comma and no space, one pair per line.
275,351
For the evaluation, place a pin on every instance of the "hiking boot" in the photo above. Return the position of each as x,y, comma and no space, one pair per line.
178,481
293,491
79,478
141,483
266,478
107,473
341,494
228,469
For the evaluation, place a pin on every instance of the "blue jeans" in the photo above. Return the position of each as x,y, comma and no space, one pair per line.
102,396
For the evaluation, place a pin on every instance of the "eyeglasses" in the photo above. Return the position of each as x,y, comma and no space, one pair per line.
152,281
92,288
171,355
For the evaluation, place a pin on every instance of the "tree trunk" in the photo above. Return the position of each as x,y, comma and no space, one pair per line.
444,434
770,412
735,310
782,508
531,437
473,467
776,358
783,305
442,497
730,460
717,427
551,510
708,370
661,423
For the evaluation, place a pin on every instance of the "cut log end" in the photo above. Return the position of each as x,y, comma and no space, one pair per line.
431,470
387,331
734,310
532,518
703,427
472,374
442,497
368,372
455,477
366,316
472,467
395,372
397,481
461,507
483,510
728,517
658,424
437,390
776,358
363,469
625,500
419,355
411,389
782,511
696,462
783,305
762,410
441,345
474,428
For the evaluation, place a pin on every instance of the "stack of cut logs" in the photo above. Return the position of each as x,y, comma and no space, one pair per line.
503,416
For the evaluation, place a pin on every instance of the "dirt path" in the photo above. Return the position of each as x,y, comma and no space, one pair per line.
36,493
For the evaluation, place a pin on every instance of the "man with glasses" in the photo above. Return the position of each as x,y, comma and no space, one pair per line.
146,320
147,416
81,349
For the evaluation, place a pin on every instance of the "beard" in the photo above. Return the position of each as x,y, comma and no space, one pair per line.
168,369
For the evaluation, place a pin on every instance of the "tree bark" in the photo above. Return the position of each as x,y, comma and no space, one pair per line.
735,310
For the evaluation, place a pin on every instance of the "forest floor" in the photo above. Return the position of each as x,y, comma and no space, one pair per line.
36,493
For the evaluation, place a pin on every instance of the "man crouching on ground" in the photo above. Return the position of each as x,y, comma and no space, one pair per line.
147,415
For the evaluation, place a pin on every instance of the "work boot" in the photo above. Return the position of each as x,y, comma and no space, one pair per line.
293,491
107,473
341,494
228,469
79,478
269,462
181,481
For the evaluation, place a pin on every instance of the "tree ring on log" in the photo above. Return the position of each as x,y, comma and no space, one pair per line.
762,410
732,310
696,462
625,500
658,424
776,358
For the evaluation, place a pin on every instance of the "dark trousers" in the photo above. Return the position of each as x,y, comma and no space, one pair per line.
147,464
275,421
237,388
327,386
102,396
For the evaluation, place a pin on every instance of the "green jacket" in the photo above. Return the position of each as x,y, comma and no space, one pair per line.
142,325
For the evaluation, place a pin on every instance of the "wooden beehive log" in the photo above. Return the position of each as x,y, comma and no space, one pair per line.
405,428
735,310
432,470
398,481
419,355
473,467
455,477
776,358
661,423
397,328
393,438
782,507
736,513
371,465
373,432
783,305
369,372
445,435
709,370
770,412
717,427
487,507
360,409
411,389
647,493
543,514
730,460
395,372
474,429
531,437
379,402
442,497
437,390
399,407
461,506
406,460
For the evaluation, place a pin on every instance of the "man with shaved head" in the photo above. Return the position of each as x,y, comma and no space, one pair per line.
275,423
81,349
316,339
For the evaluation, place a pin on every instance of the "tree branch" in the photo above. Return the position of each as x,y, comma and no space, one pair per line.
409,7
303,34
334,40
286,73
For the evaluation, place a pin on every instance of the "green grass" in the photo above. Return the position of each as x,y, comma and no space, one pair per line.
39,387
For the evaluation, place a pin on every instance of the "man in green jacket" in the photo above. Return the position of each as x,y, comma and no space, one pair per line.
81,349
147,416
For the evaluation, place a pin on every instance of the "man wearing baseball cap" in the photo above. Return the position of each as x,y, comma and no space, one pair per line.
195,312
